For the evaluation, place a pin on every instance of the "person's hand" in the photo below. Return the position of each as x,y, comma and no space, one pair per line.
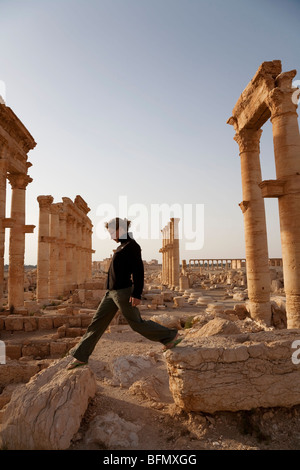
134,302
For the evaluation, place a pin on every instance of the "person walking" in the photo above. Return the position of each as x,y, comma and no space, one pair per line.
125,282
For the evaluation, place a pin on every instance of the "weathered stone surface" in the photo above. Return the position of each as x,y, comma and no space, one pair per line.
170,321
147,387
45,323
216,326
112,431
126,368
30,324
236,372
45,413
14,323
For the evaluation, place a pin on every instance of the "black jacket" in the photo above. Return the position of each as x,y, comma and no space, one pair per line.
127,268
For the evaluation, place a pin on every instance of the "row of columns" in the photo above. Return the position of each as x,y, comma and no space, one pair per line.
286,188
170,254
18,229
217,263
15,144
64,247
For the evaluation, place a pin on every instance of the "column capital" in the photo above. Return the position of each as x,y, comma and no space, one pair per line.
19,180
280,99
45,201
248,140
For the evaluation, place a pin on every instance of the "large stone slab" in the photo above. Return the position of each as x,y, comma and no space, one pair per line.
236,372
45,413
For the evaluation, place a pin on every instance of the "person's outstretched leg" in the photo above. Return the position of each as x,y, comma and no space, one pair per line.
147,328
102,318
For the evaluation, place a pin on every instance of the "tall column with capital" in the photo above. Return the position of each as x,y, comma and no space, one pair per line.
54,252
253,208
286,140
162,251
42,292
18,182
3,173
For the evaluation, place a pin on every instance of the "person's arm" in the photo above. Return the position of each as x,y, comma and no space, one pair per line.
137,269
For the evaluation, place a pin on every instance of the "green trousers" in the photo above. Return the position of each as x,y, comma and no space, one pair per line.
113,301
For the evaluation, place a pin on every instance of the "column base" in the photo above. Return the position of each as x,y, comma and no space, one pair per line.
293,311
260,311
20,311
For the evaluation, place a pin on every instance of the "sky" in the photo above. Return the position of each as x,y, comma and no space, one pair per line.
128,102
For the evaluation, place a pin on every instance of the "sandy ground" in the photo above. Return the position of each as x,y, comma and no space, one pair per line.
162,426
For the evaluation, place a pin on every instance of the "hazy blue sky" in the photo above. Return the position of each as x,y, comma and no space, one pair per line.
131,98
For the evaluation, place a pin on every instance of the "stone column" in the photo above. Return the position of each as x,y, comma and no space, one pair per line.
75,254
162,257
90,252
165,257
84,253
62,263
3,176
78,253
163,254
175,252
18,182
256,246
172,253
54,252
169,252
42,291
69,254
287,160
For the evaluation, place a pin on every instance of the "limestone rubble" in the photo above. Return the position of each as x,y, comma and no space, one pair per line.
46,412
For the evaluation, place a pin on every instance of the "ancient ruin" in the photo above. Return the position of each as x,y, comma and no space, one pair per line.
15,143
170,253
240,354
269,96
64,247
